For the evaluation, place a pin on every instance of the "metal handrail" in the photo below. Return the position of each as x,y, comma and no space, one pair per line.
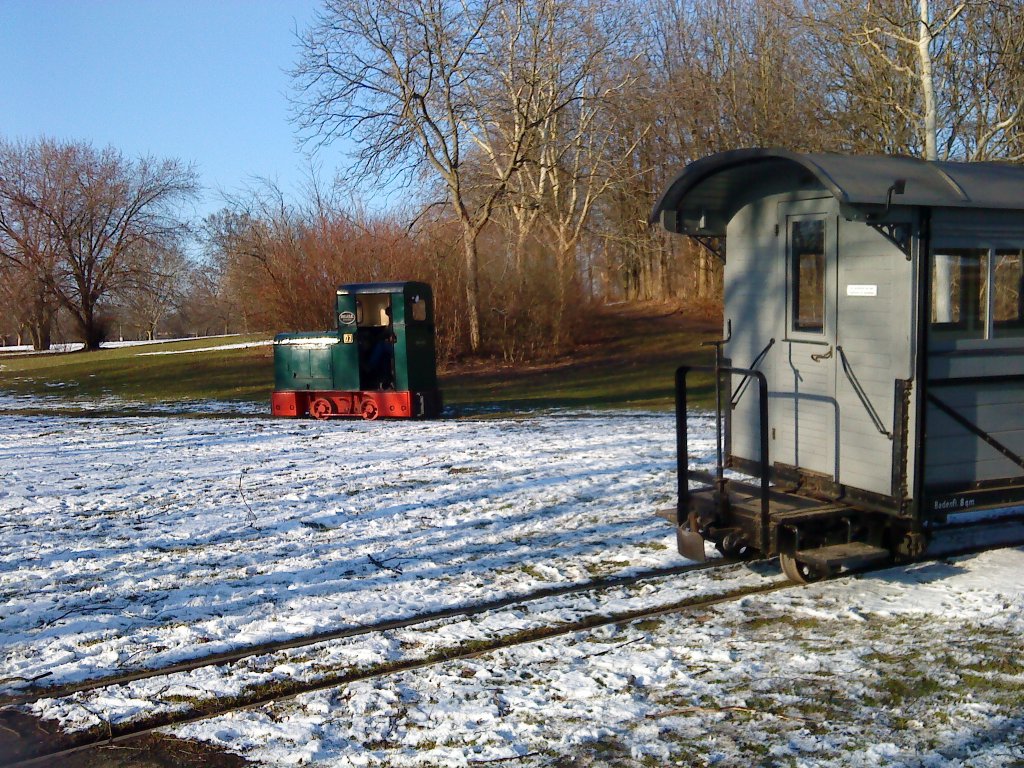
682,451
859,390
741,387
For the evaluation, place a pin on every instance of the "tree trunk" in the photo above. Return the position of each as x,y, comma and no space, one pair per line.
943,268
566,281
924,45
469,248
702,275
665,286
41,337
92,332
41,325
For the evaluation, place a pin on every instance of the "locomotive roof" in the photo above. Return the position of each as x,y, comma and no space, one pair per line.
712,189
382,287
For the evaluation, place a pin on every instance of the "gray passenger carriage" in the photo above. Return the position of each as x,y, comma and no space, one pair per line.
872,363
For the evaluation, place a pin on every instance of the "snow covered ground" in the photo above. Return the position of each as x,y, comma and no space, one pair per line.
156,539
915,667
138,541
76,346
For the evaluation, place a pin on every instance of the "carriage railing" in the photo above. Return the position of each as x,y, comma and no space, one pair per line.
682,449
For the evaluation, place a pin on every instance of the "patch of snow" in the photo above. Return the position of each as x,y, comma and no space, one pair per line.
220,348
777,679
155,539
139,541
76,346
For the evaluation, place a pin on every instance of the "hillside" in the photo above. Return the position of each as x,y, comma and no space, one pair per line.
627,361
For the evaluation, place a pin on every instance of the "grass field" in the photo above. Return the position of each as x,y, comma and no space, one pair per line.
627,362
133,373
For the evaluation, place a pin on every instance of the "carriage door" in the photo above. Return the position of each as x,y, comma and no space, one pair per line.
804,419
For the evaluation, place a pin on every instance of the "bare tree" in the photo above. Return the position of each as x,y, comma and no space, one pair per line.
28,261
713,76
423,85
157,288
985,82
26,304
584,58
92,215
892,54
115,212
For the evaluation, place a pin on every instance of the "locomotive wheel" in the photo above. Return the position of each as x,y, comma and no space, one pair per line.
800,572
370,410
321,408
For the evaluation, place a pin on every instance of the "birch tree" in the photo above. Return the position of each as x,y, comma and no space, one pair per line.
580,54
896,60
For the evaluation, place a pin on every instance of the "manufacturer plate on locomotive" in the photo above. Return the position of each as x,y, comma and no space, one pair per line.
346,317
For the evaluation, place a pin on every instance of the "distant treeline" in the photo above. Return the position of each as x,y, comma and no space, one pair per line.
533,138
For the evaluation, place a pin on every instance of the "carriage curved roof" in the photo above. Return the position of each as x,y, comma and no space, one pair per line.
714,187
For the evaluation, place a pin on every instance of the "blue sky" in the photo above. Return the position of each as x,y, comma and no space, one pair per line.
202,81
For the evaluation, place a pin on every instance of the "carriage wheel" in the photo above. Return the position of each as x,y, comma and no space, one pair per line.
736,547
321,408
801,572
370,410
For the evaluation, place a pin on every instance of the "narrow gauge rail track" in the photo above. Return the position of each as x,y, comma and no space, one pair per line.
35,693
117,734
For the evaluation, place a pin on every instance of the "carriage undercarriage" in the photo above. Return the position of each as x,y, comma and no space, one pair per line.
813,538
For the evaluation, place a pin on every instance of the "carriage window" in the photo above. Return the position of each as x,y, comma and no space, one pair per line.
960,292
1008,307
807,275
976,293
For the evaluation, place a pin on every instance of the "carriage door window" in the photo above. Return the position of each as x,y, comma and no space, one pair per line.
807,275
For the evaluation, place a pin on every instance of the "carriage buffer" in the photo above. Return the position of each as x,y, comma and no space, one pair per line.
380,361
870,374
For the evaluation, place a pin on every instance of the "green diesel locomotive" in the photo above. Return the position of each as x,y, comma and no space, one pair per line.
380,362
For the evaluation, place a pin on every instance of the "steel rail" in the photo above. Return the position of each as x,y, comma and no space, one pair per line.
118,735
28,696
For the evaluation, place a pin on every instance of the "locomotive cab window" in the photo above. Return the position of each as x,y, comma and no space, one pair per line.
373,310
807,275
418,309
976,293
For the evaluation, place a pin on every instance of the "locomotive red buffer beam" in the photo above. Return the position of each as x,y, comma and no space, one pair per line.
370,404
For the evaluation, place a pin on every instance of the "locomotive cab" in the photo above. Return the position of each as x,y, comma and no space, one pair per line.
380,361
